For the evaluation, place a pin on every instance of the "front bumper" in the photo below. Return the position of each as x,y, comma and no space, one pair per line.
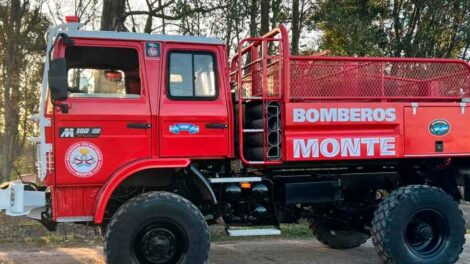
16,201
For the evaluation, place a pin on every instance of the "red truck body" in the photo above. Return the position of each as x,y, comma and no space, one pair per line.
347,109
369,105
125,151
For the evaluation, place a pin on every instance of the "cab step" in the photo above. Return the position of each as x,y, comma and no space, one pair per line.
236,232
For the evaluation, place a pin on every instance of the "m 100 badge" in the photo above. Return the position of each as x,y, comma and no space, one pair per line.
79,132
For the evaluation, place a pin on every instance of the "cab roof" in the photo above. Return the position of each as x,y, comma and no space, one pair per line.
143,37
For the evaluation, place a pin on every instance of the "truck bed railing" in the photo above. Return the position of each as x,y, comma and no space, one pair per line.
381,79
264,71
324,78
257,77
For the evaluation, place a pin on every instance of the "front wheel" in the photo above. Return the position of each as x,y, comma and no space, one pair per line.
157,228
418,224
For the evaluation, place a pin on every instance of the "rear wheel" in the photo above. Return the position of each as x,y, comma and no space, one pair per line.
337,235
157,228
418,224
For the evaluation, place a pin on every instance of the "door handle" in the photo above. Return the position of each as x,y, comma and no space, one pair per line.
216,125
139,125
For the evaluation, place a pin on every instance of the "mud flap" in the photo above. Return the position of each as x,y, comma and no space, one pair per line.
18,202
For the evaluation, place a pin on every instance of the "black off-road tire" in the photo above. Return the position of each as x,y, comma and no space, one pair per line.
337,237
153,212
395,230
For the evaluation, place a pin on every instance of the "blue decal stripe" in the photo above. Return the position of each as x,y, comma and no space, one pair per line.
190,128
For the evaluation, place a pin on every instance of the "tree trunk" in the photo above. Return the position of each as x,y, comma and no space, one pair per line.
295,27
264,16
276,6
113,15
160,3
148,24
253,15
11,88
229,26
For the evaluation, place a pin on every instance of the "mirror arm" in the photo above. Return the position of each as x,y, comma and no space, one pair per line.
64,108
67,42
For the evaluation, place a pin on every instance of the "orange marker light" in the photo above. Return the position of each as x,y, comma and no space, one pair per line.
245,185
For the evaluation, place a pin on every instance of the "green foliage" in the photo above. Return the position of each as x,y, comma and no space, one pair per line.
22,46
349,28
410,28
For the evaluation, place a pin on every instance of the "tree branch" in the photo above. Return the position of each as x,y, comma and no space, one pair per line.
154,12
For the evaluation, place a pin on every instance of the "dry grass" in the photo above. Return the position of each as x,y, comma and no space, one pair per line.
16,231
22,231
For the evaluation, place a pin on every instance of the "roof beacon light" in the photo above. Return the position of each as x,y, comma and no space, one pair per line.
72,19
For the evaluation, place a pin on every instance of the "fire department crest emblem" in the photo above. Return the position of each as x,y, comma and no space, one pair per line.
152,50
83,159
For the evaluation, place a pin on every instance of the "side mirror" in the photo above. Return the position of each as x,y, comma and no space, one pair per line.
58,79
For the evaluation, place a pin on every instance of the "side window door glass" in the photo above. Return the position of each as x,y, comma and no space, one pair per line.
204,77
192,76
181,75
103,72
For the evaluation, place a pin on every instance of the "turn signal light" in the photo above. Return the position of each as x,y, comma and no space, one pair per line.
245,185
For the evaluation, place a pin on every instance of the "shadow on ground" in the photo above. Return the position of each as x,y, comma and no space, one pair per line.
26,243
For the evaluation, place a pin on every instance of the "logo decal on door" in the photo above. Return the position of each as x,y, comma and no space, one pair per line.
439,127
178,128
83,159
81,132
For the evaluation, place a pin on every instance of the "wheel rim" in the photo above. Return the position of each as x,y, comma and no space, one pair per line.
160,242
427,233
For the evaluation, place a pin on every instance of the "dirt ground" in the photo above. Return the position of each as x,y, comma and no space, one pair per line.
24,242
230,252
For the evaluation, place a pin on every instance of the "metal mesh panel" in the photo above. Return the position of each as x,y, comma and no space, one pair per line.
252,82
247,85
273,79
362,79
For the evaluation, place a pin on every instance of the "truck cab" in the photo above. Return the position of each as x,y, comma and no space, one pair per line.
153,97
133,98
153,137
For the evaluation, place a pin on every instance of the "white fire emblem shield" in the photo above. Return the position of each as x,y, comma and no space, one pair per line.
83,159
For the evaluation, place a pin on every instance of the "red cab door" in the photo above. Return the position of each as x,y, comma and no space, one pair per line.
105,123
193,106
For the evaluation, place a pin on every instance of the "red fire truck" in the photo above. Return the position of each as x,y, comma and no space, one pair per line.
153,137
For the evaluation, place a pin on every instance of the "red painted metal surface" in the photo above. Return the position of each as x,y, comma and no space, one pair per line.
117,143
207,142
320,132
74,201
374,130
332,108
121,174
419,142
349,92
124,151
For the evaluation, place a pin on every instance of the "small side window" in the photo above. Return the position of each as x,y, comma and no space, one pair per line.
192,76
103,72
